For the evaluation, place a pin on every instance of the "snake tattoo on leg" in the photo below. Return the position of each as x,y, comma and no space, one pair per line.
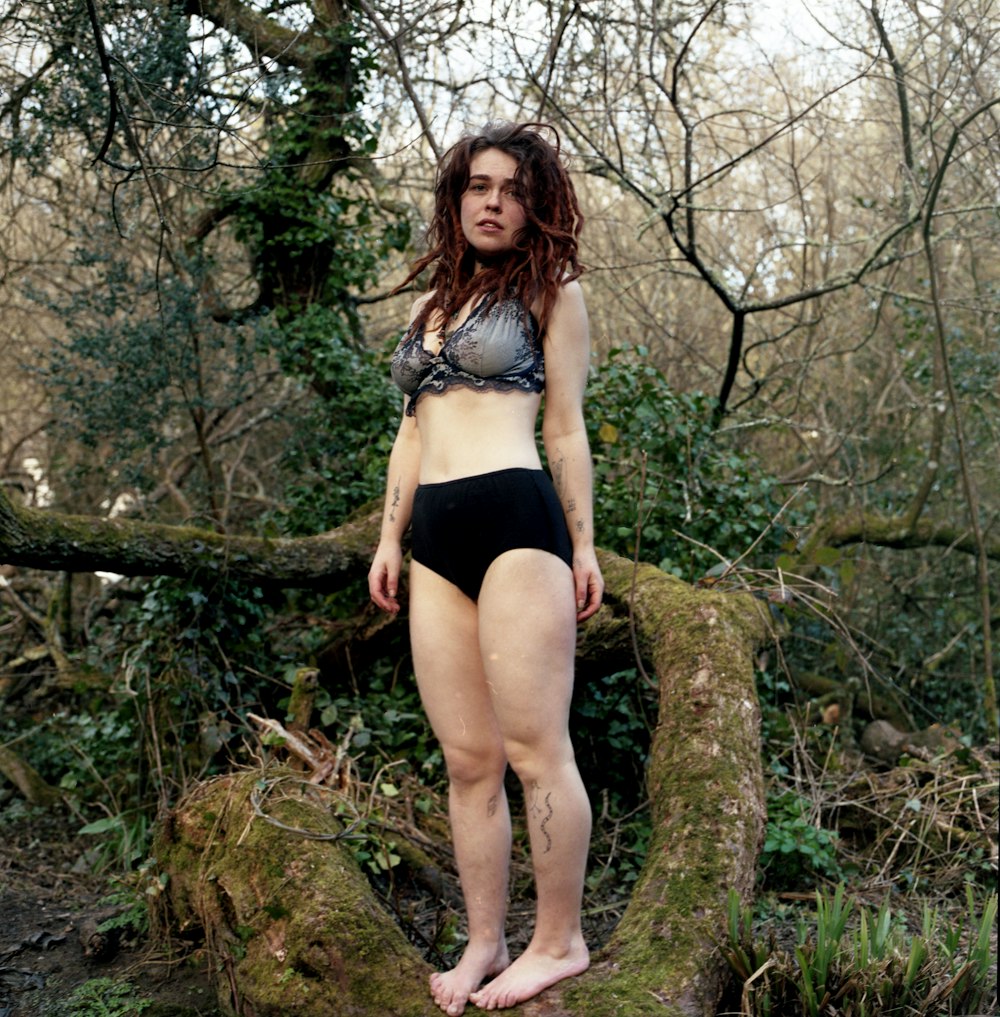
536,810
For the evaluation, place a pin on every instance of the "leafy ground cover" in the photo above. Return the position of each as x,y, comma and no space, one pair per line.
54,959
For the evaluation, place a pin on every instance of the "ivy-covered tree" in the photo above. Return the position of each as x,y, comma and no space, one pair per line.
213,260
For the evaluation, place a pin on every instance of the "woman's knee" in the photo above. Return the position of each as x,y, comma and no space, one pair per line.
468,766
535,761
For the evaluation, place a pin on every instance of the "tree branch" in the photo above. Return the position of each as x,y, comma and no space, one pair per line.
261,35
393,42
53,541
870,527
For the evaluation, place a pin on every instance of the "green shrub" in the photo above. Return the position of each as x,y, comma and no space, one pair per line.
795,850
657,451
337,446
610,725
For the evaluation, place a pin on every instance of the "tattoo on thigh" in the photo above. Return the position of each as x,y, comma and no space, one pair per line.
535,810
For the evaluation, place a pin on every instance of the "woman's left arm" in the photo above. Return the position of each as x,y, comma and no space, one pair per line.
567,359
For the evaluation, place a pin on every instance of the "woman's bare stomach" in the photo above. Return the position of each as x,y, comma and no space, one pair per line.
464,432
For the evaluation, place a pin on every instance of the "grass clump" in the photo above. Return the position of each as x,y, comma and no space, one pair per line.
855,963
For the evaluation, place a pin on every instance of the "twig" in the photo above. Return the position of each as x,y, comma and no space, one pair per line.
259,793
635,571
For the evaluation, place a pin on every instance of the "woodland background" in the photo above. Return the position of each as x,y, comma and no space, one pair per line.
793,252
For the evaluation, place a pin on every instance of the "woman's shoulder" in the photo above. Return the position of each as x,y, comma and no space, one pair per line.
570,289
418,305
569,298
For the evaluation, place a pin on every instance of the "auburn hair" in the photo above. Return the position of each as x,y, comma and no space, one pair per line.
544,255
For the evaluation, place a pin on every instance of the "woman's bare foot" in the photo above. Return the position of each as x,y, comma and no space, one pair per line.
451,989
532,972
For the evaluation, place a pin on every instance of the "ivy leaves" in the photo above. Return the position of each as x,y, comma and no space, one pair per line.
663,473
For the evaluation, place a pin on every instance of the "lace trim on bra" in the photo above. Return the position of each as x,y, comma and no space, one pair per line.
489,351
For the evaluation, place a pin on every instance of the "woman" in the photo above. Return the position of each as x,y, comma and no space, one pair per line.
503,558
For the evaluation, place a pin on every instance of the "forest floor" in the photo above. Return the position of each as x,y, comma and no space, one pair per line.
49,906
51,903
53,965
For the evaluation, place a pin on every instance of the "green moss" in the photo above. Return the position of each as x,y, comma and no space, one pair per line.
623,994
294,917
706,791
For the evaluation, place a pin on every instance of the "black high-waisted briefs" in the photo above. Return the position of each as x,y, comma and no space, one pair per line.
460,527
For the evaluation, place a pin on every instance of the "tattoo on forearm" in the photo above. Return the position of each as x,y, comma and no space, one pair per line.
579,526
491,805
558,472
535,810
571,505
395,504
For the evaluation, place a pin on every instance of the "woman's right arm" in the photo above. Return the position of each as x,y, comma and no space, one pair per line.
404,469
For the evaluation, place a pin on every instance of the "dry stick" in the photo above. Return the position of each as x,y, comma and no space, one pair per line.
763,533
837,625
300,746
154,738
25,609
258,794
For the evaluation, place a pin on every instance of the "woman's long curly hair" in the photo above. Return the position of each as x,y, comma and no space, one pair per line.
544,256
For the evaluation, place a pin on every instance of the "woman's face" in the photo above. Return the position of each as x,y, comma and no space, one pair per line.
492,215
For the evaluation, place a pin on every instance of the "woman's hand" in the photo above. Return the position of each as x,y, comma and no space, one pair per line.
589,584
383,577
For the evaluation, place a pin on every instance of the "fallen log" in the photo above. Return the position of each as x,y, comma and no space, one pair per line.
27,780
706,794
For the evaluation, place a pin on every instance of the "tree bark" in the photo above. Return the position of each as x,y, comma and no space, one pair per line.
294,926
41,539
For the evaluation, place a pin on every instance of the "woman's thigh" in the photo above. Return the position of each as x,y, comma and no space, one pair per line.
527,639
454,689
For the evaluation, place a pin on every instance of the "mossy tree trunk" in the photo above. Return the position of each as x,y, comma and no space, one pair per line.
296,928
706,793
